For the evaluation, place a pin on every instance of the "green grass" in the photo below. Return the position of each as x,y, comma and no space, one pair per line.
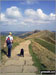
15,44
47,45
2,41
0,54
36,60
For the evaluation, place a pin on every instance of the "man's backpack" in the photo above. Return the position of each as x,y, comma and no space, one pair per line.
8,41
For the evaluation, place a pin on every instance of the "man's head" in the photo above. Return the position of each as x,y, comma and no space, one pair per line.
10,33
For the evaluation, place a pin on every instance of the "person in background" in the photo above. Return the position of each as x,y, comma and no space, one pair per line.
9,42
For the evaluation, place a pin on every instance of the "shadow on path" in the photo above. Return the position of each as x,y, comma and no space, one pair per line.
20,55
3,51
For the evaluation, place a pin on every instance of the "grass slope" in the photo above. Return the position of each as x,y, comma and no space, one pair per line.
49,39
47,45
36,60
46,35
46,57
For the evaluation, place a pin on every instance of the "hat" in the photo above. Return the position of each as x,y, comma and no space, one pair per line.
10,33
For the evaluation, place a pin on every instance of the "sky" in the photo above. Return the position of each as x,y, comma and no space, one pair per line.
27,15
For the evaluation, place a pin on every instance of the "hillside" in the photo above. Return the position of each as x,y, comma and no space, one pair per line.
45,59
46,35
44,38
42,49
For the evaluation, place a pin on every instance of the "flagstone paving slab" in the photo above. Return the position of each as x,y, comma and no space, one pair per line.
28,62
14,62
25,58
18,74
12,69
30,69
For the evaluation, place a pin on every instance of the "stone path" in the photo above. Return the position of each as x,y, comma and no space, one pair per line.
17,65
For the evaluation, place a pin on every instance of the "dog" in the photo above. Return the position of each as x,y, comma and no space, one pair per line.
22,52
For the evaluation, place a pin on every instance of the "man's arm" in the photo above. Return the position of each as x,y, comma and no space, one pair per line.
6,40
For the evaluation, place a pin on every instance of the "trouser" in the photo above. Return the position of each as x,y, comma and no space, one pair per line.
9,50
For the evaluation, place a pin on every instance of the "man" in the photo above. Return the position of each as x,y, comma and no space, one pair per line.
9,41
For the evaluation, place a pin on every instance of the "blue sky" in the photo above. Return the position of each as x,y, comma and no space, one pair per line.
27,15
46,6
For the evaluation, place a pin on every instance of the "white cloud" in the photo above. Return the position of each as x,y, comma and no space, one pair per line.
13,12
39,15
3,18
13,16
30,12
52,16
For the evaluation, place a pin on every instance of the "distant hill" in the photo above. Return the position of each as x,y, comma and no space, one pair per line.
42,33
46,35
15,33
28,34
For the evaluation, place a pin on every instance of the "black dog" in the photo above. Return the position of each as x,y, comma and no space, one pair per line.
22,52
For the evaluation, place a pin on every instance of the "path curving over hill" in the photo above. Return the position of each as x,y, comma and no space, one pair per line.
17,65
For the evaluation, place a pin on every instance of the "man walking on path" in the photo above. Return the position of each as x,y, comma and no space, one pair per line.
9,41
